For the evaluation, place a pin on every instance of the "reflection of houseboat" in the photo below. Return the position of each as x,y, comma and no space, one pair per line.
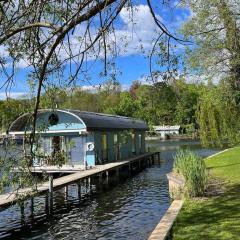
84,138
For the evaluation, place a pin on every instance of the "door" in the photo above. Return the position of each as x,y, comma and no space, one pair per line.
77,151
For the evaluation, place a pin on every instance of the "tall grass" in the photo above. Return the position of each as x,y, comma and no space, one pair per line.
194,171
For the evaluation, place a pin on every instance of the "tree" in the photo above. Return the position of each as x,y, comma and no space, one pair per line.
218,117
214,27
187,95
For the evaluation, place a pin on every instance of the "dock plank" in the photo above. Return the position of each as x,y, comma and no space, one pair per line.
12,197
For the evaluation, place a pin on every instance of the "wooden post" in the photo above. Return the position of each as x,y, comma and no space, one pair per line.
32,206
107,177
148,160
50,199
139,164
85,184
159,158
100,181
129,169
79,190
21,204
47,204
89,185
100,178
50,183
66,192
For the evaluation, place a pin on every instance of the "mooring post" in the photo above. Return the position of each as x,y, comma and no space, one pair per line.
79,190
21,204
148,161
100,181
47,204
32,206
159,157
139,164
129,169
107,177
50,183
85,184
66,192
50,192
100,178
89,185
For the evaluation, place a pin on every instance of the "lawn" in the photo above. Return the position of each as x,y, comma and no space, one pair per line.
216,217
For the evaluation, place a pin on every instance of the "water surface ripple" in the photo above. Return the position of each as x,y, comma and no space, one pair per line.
127,210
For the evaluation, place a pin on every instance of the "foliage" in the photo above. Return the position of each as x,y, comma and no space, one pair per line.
14,169
58,158
214,217
193,169
157,104
217,116
10,110
214,28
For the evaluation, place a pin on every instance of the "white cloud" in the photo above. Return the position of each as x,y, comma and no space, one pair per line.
138,30
135,33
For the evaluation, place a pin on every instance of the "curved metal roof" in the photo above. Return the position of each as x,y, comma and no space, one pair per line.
92,120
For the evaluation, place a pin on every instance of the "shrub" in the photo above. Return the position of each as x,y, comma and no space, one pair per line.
194,171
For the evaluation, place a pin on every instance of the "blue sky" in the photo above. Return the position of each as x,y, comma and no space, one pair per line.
133,64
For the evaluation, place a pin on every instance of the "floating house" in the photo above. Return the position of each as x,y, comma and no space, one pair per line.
165,131
80,139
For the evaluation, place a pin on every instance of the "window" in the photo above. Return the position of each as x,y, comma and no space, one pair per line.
104,147
115,139
133,143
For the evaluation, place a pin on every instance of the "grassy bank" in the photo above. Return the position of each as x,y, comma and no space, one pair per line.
216,217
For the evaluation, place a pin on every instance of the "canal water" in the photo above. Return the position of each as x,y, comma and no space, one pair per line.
129,209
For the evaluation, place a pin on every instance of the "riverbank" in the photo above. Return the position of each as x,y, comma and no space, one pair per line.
216,216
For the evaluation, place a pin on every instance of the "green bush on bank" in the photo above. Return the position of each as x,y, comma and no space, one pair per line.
193,169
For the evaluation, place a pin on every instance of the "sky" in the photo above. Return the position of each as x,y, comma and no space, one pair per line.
131,63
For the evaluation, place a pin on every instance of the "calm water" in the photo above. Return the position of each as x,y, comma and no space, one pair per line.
129,209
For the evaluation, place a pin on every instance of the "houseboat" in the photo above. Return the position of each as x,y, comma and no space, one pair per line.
79,139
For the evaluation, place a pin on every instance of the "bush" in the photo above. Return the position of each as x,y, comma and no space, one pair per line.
194,171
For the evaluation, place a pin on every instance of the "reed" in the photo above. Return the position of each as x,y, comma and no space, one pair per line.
193,169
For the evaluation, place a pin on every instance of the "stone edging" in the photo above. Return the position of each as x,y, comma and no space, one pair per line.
162,230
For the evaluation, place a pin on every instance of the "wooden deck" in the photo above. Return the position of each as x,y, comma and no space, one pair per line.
13,197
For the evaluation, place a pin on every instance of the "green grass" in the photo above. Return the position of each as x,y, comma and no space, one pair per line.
214,217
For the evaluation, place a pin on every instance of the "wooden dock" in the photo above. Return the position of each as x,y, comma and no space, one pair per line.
22,194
